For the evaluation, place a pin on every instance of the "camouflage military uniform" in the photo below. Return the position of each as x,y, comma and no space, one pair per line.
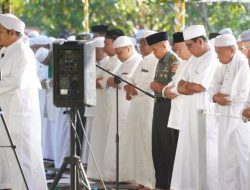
163,73
164,139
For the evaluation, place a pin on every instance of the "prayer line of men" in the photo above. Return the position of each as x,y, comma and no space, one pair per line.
153,71
211,75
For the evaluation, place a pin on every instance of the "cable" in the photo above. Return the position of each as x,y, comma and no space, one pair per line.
92,154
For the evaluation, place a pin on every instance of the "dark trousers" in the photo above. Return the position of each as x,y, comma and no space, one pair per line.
164,142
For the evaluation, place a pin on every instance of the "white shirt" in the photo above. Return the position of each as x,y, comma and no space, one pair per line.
232,79
144,73
19,101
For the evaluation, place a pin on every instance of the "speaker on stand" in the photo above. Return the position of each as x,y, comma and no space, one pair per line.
73,87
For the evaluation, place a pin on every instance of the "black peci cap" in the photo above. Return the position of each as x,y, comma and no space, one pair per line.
213,35
114,33
157,37
178,37
99,28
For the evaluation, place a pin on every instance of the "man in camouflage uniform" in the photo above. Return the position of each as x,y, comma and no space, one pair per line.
164,139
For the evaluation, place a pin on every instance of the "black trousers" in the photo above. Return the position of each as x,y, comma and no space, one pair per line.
164,142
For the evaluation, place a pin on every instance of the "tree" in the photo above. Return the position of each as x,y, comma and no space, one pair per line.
61,16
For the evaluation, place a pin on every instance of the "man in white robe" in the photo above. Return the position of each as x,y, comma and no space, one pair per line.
41,47
138,157
229,91
194,84
170,90
98,137
20,104
89,113
130,60
244,44
246,119
101,60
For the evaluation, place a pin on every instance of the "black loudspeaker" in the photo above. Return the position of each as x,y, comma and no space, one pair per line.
74,73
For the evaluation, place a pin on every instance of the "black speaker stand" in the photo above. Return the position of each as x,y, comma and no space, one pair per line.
78,177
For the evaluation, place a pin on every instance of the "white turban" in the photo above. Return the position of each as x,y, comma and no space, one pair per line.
244,36
143,34
41,54
11,22
99,42
148,33
226,31
193,32
225,40
133,41
122,41
71,38
40,40
32,33
139,34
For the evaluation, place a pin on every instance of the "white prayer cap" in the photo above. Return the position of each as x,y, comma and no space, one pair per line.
148,33
133,41
41,54
193,32
71,38
32,34
122,41
11,22
226,31
99,42
225,40
40,40
143,33
139,34
244,36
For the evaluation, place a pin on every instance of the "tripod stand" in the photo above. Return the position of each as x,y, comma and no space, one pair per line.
78,177
13,147
117,81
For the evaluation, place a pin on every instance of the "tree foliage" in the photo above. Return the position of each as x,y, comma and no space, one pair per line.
60,16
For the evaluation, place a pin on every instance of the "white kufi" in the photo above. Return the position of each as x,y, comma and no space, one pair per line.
244,36
11,22
193,32
41,54
225,40
99,42
40,40
226,31
122,41
143,33
139,34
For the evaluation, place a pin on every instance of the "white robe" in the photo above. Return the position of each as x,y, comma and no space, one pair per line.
50,129
42,72
177,103
247,123
232,79
58,131
20,104
102,114
62,137
186,167
137,139
90,114
126,70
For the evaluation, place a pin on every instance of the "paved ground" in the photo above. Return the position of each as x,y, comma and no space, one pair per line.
64,183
